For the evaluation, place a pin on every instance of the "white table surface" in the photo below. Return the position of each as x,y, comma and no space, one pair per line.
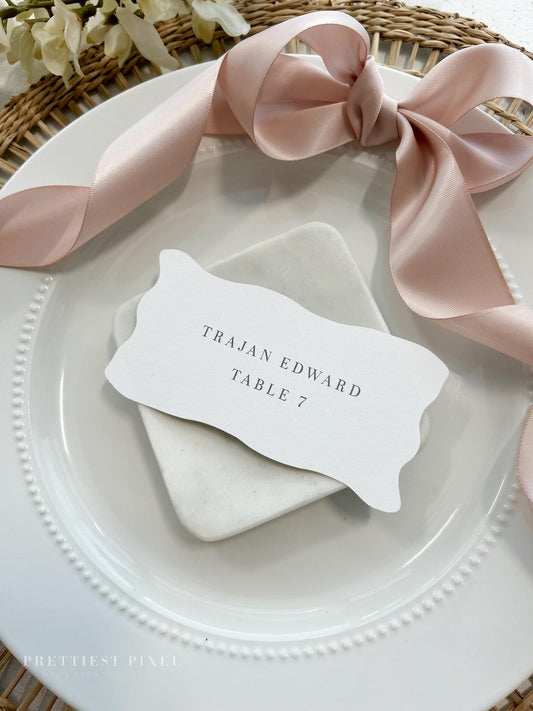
512,19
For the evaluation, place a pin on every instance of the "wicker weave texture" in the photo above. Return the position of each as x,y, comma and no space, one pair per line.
411,39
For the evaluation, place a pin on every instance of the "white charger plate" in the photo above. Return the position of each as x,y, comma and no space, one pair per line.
335,604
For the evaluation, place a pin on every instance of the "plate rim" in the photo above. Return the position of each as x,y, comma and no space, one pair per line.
29,163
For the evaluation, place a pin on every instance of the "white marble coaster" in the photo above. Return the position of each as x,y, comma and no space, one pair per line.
217,485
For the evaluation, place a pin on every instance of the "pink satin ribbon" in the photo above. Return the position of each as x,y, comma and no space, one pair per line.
440,258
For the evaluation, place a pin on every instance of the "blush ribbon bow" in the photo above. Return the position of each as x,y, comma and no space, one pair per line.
440,257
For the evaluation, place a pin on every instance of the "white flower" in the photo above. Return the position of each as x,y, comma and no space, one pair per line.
207,13
19,44
4,39
119,24
55,53
60,40
130,30
96,27
145,37
23,48
95,30
117,44
158,10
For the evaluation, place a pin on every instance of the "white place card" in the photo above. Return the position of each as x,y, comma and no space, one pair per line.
341,400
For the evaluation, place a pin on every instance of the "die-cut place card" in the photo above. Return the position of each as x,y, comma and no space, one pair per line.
344,401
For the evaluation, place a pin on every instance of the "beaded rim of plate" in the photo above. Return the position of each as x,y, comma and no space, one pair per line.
422,604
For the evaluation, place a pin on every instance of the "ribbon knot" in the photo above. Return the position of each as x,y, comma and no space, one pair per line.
371,112
440,258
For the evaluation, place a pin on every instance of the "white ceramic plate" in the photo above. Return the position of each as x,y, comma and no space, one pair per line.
335,605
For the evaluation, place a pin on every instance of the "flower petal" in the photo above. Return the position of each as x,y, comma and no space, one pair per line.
146,38
203,29
24,46
4,39
158,10
225,14
179,7
109,6
117,44
150,9
97,30
73,29
56,56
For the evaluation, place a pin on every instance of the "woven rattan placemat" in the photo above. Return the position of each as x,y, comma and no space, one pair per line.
411,39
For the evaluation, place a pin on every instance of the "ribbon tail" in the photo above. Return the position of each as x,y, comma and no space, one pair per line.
525,458
40,225
442,263
507,329
441,260
150,155
487,160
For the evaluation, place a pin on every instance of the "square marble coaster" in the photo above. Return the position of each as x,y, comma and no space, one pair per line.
218,486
